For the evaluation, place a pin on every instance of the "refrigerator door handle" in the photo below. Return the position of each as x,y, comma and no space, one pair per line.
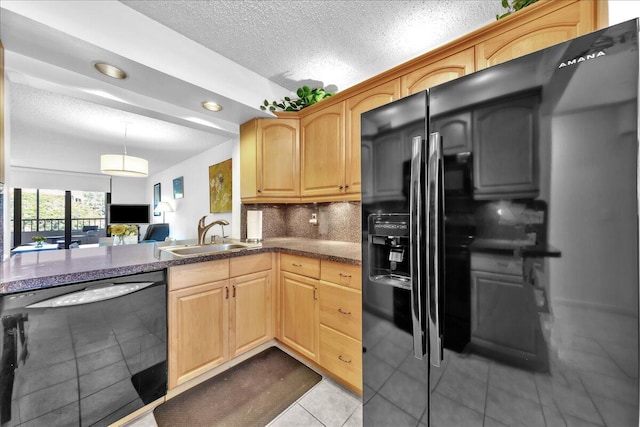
417,251
435,210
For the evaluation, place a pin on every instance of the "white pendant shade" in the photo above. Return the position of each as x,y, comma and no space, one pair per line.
123,165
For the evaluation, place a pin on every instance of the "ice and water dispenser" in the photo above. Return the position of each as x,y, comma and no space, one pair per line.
389,257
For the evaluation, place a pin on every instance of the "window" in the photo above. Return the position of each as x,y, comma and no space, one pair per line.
43,212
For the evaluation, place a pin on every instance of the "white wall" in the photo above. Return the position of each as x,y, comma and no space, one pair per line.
623,10
195,203
128,190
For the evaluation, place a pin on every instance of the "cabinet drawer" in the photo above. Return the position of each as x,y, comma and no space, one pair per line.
248,264
341,355
183,276
496,264
343,274
341,309
305,266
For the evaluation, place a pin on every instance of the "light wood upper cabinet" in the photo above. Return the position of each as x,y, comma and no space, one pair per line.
330,148
355,106
438,72
270,159
322,152
541,30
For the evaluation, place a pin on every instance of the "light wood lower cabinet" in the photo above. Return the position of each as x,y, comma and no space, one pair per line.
300,314
199,332
251,311
217,310
221,309
321,315
341,322
341,355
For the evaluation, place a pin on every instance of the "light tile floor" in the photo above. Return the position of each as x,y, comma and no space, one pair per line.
593,379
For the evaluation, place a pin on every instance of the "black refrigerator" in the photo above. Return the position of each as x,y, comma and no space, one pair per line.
500,244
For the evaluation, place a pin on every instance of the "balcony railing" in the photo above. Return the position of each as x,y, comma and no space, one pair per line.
57,224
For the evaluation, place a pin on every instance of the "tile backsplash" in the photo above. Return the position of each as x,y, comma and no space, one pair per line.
336,221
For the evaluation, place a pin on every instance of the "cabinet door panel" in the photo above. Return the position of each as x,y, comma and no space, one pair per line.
341,309
455,131
442,71
355,106
278,154
505,148
199,333
501,313
251,311
322,152
341,355
562,25
300,314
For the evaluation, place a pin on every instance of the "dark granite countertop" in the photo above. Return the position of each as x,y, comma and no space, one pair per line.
35,270
514,248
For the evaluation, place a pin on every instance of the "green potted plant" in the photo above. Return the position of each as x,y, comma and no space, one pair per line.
514,6
306,97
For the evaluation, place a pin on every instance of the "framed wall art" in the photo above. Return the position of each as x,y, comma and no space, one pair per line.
156,198
220,187
178,188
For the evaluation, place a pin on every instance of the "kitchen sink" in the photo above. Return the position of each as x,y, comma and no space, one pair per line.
192,250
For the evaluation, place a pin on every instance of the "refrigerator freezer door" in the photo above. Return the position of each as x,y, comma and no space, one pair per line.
553,275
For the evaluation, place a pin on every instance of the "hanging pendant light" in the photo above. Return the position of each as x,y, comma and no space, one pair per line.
123,165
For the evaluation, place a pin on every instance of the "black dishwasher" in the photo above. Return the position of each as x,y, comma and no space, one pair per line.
85,354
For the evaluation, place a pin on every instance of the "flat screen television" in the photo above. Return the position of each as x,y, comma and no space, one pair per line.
128,214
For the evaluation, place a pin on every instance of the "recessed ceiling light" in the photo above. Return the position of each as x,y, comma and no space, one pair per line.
211,106
110,70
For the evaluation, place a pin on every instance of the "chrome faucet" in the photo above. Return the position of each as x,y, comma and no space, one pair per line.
202,229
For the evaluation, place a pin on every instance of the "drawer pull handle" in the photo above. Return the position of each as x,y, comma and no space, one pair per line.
226,288
296,265
343,312
344,275
315,297
343,360
234,291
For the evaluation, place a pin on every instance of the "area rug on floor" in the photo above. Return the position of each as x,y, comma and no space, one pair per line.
250,394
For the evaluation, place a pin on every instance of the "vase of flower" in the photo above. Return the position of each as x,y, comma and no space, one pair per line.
39,240
121,231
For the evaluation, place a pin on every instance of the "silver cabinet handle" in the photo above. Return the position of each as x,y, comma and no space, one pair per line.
417,250
435,212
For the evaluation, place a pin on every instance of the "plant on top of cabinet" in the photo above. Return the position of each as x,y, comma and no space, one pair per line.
306,97
515,6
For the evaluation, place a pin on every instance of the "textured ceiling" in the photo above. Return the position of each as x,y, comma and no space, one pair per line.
320,43
58,97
